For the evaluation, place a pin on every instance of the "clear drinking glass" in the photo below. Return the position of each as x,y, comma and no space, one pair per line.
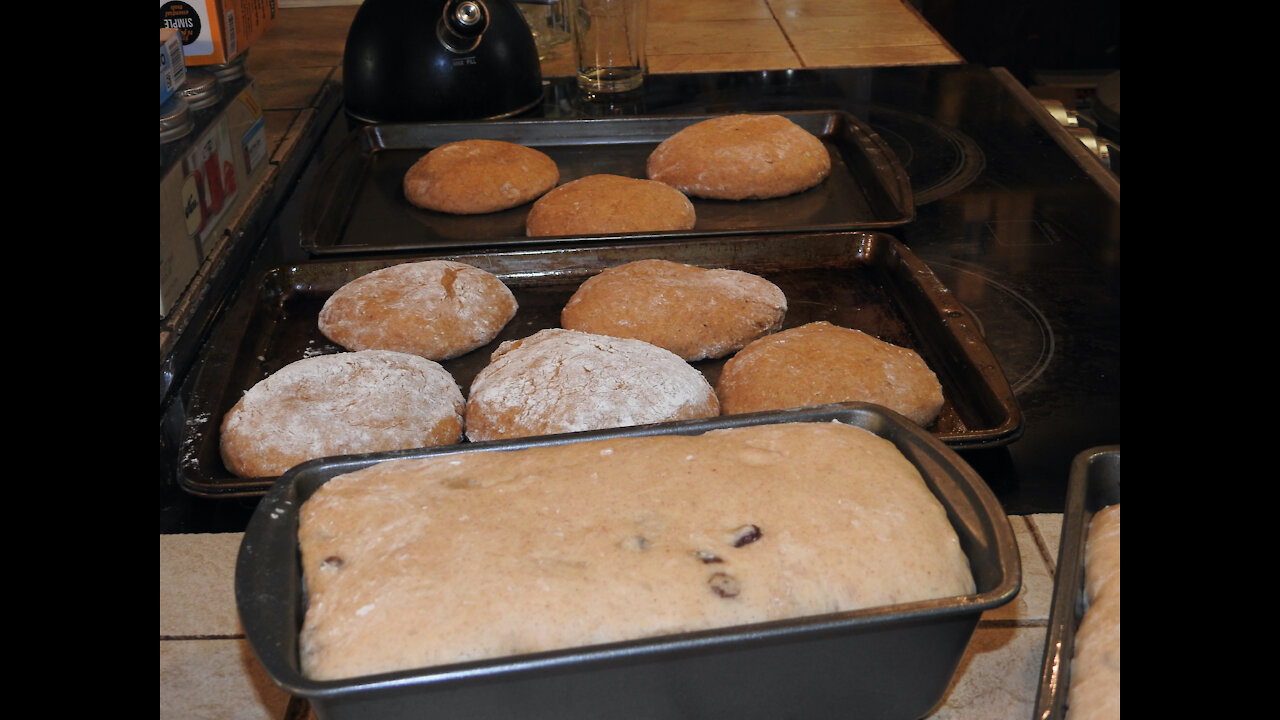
549,22
609,39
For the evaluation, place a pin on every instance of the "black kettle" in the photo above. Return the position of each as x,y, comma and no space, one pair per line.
434,60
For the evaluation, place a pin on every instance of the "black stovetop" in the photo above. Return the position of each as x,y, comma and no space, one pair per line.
1009,216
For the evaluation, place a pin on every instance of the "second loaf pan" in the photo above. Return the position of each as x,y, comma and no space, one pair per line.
867,281
1093,484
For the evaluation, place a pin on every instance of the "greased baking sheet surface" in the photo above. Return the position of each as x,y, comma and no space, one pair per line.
887,662
357,202
1093,484
867,281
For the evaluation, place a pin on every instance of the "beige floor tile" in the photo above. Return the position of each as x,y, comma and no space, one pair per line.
723,62
834,8
998,676
1048,526
312,37
878,56
682,10
197,585
216,680
816,33
715,37
1036,595
291,88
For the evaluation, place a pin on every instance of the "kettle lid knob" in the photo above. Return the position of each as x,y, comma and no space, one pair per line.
462,23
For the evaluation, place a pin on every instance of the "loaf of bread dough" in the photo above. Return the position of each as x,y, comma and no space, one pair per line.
559,381
1094,690
820,363
741,157
475,555
339,404
605,204
438,309
697,313
471,177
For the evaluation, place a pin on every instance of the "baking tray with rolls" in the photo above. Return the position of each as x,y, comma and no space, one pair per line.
864,280
357,203
893,661
1093,484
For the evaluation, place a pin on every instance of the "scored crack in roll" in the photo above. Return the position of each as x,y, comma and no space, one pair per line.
603,204
740,157
471,177
340,404
438,309
696,313
821,363
572,545
560,381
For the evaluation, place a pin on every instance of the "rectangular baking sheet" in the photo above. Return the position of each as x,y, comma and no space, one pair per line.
868,281
357,204
1093,484
888,662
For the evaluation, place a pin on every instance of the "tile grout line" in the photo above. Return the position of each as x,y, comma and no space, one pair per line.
790,43
1050,561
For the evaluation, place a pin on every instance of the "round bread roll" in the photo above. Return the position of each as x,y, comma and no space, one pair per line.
339,404
603,204
559,381
741,157
438,309
821,363
471,177
696,313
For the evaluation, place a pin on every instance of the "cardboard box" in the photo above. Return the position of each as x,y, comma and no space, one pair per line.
173,67
214,32
205,188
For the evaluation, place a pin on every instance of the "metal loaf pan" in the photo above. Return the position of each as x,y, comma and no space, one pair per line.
1094,483
888,662
868,281
357,202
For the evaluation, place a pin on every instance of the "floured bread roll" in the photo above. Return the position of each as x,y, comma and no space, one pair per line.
471,177
559,381
1094,692
351,402
821,363
741,157
438,309
477,555
605,204
694,312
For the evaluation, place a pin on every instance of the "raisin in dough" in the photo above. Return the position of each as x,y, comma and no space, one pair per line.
741,157
438,309
559,381
696,313
472,177
351,402
820,363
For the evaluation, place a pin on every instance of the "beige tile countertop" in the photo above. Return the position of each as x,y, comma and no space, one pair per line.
209,672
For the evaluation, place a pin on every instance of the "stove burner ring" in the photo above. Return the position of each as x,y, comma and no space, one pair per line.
940,160
1017,332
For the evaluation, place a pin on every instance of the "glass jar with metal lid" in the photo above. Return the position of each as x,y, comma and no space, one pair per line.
201,89
233,69
175,119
